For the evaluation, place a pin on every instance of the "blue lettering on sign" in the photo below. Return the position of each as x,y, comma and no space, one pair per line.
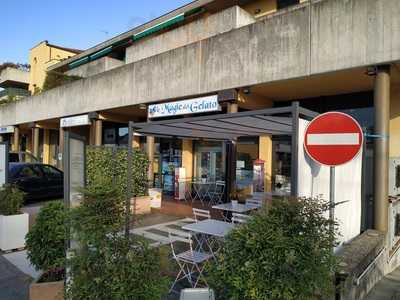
184,107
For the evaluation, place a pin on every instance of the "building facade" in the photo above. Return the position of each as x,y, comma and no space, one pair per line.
327,54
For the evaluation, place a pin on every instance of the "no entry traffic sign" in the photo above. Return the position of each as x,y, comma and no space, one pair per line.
333,139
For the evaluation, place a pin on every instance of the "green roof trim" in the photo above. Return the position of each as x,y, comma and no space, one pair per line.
194,11
159,27
101,53
79,62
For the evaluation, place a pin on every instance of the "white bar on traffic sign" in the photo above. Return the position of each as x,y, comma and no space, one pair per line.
320,139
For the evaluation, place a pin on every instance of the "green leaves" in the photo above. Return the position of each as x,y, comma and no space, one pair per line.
284,252
11,200
46,240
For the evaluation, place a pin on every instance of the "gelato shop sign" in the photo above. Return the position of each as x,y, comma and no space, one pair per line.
185,107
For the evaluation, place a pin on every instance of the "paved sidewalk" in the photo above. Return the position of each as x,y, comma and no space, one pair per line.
388,288
14,284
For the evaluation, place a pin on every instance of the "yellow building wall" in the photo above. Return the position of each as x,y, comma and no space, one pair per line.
394,148
187,157
40,58
265,153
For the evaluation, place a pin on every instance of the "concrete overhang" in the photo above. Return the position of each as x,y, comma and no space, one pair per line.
208,5
324,37
15,78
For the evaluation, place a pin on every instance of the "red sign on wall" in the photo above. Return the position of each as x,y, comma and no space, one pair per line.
333,139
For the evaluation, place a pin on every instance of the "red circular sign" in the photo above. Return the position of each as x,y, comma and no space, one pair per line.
333,139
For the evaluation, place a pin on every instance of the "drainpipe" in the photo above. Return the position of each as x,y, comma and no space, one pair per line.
381,160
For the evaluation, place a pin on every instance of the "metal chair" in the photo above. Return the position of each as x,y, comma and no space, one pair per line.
201,214
240,218
191,262
218,193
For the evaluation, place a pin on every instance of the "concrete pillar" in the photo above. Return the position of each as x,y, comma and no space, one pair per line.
29,142
1,138
187,157
381,159
60,149
150,155
16,140
98,132
265,153
35,141
46,146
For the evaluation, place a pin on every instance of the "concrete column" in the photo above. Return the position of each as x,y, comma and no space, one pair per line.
150,155
1,138
46,146
381,159
98,132
35,141
16,140
265,153
60,148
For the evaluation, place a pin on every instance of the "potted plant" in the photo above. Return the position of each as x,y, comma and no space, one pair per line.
14,224
45,246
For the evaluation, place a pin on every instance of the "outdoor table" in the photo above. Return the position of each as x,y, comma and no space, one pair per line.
209,228
234,208
202,190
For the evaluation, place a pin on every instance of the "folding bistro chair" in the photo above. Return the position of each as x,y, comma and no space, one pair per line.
218,193
191,262
197,294
240,218
201,214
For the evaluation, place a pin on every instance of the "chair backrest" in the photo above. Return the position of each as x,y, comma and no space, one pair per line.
197,294
178,236
256,202
200,214
220,187
240,218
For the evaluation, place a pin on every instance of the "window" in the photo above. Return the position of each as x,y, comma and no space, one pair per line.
27,172
51,172
286,3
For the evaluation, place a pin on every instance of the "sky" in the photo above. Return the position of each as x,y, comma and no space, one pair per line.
74,24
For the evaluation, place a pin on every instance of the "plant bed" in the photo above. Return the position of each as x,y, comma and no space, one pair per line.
50,286
143,205
12,231
14,225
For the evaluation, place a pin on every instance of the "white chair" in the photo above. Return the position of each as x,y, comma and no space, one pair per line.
218,193
240,218
191,262
197,294
201,214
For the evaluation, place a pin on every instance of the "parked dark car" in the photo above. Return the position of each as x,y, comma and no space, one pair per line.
37,180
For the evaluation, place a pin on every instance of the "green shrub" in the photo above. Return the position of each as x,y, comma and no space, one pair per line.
106,164
117,268
107,265
11,200
284,252
46,240
101,211
55,79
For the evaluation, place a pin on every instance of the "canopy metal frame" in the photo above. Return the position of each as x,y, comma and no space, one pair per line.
229,127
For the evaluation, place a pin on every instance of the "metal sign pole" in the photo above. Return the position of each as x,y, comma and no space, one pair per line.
332,198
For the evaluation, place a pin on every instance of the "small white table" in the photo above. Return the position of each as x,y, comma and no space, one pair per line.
239,208
208,229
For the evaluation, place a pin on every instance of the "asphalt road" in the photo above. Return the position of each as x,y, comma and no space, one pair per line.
14,285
